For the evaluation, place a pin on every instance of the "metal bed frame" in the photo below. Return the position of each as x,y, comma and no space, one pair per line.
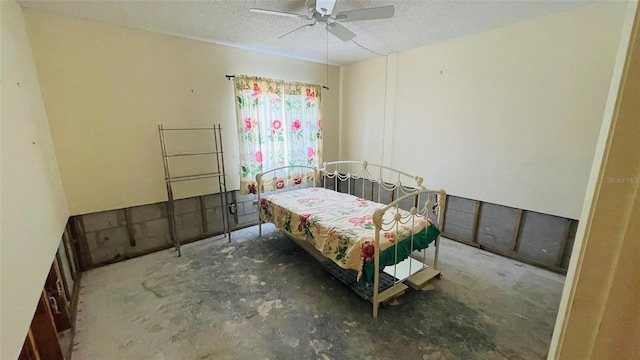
402,188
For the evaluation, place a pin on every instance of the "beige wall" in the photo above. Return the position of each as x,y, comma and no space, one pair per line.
106,88
363,86
599,315
509,116
33,208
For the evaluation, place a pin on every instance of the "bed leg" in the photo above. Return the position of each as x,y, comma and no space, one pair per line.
259,228
375,310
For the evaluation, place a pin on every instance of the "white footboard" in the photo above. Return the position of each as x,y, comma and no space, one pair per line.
425,203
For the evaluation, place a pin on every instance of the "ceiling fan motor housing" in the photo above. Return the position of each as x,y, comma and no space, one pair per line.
324,7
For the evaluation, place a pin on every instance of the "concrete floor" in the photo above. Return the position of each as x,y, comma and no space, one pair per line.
264,298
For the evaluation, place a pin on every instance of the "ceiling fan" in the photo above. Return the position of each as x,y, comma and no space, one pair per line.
321,11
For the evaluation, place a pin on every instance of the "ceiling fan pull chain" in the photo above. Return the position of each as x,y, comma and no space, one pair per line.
327,86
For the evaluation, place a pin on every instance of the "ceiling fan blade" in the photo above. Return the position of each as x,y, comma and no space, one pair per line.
340,31
278,13
305,26
382,12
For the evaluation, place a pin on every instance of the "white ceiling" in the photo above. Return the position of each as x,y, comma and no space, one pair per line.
416,23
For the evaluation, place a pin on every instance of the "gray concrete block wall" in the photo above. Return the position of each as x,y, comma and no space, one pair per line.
361,188
144,213
108,244
213,200
343,186
215,212
188,219
353,187
541,236
188,205
103,220
247,212
540,239
459,217
214,219
408,203
570,242
366,189
385,196
108,238
388,196
496,226
328,183
106,235
150,227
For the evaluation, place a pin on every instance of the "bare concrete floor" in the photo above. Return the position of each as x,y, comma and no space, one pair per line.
264,298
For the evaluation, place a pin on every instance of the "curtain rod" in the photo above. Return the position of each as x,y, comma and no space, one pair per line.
229,77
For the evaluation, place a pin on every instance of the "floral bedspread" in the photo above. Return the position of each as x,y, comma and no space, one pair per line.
338,225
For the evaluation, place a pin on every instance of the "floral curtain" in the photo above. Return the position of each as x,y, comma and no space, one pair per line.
279,123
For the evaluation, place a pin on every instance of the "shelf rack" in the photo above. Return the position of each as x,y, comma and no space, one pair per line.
216,155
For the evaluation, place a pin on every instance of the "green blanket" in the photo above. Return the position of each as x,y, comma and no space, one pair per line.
421,241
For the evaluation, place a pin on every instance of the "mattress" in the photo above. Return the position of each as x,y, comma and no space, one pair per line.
341,227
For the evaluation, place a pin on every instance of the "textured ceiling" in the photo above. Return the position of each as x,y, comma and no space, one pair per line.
415,24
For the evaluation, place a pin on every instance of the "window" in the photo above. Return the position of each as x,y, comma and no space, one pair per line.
279,123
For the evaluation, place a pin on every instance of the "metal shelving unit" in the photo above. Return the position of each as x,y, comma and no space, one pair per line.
216,156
